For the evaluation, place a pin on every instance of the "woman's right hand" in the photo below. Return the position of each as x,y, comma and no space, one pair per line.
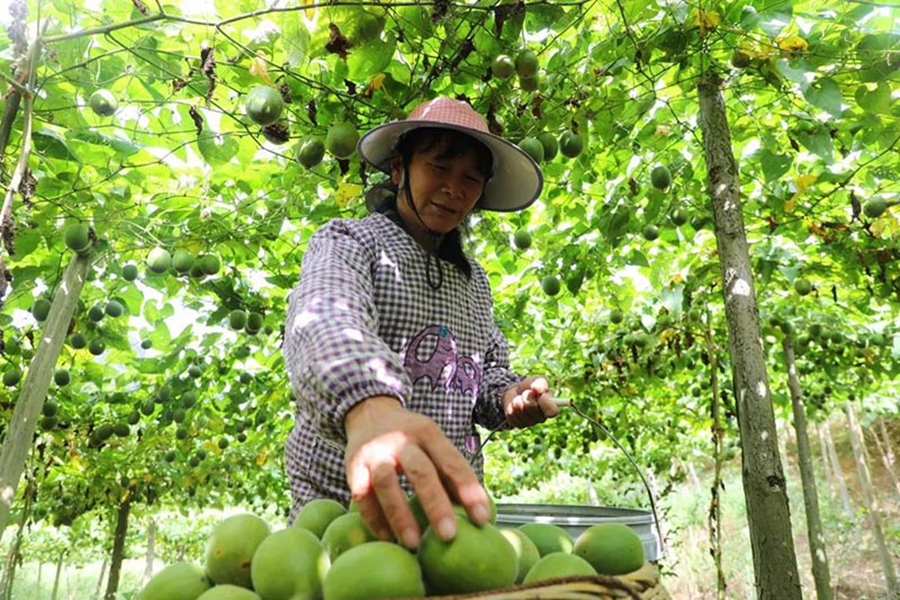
383,440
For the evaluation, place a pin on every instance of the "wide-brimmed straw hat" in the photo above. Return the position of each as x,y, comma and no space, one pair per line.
516,182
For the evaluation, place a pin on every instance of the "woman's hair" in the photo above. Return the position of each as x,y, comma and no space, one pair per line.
452,144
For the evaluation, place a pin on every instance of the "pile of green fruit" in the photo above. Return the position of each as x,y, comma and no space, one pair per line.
330,553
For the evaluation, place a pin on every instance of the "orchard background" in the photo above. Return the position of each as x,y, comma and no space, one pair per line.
764,277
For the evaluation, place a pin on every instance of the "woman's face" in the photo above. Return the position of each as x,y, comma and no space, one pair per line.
444,189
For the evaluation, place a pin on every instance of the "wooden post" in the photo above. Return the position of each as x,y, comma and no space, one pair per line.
765,491
836,468
118,554
871,501
818,548
23,424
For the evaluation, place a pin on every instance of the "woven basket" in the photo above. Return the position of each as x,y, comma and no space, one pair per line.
642,584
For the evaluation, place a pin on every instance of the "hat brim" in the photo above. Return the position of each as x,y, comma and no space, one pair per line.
517,180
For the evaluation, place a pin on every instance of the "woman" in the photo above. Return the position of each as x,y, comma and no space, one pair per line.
390,342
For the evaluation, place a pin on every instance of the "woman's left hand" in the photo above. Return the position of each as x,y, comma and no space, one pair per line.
529,402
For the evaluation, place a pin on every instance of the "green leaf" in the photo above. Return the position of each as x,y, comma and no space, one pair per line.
371,58
825,94
294,38
774,165
53,145
875,101
819,143
217,148
772,16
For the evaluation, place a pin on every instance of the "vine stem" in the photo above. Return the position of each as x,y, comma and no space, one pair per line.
22,165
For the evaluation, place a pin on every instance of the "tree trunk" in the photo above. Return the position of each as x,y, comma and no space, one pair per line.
886,452
115,566
817,545
151,546
826,465
59,567
871,501
23,424
102,576
836,467
8,568
768,512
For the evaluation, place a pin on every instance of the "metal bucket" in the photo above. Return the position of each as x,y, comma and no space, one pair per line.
575,519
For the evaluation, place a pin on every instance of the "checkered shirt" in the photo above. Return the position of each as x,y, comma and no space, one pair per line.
364,322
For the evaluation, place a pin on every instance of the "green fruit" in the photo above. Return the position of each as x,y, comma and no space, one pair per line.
96,313
558,564
41,309
316,515
129,272
530,84
147,408
121,429
802,286
345,532
222,443
179,415
103,102
548,537
254,322
570,144
77,237
134,417
230,547
49,423
550,284
264,105
650,232
526,552
178,581
503,66
616,316
104,432
194,372
146,344
289,563
740,59
660,177
533,148
61,377
169,456
114,308
50,408
550,144
522,239
477,559
611,548
874,207
310,152
182,261
189,399
679,217
374,570
237,319
159,260
229,592
209,264
96,347
12,376
526,64
341,140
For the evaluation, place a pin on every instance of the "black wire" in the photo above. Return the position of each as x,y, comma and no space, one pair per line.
608,434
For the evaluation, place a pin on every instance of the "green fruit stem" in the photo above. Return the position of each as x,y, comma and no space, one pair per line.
27,412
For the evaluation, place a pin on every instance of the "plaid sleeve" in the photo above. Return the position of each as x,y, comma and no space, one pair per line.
497,374
334,357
